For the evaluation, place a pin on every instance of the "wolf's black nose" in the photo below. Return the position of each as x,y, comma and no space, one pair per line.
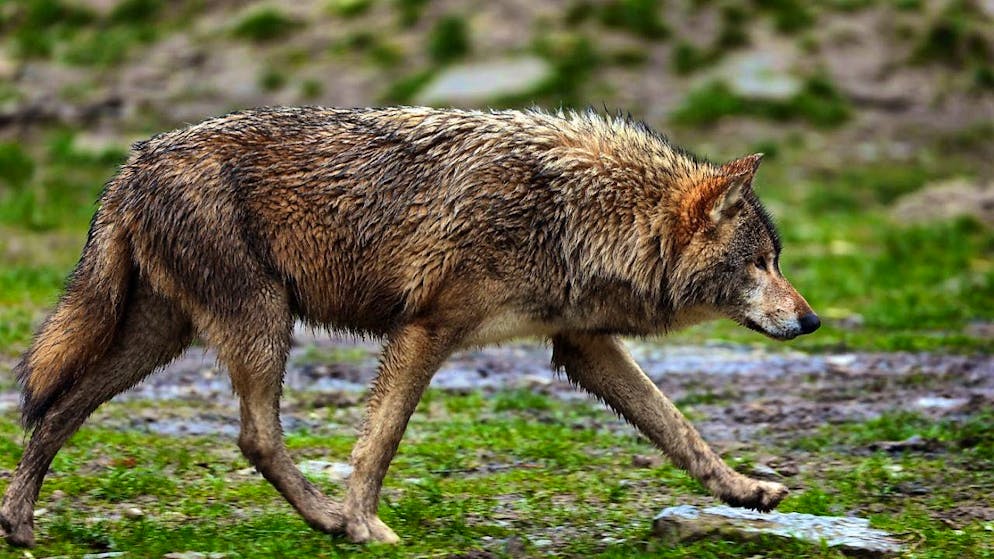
809,323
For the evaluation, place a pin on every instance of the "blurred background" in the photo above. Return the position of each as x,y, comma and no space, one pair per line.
876,116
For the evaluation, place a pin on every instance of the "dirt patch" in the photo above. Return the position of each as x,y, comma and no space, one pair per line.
947,200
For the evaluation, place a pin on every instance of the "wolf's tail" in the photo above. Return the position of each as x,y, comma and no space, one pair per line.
84,323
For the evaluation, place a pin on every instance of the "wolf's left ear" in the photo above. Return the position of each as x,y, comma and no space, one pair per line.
737,176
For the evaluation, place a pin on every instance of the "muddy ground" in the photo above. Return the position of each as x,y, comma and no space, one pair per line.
734,393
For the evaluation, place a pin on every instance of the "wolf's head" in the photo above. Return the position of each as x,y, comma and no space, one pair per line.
729,260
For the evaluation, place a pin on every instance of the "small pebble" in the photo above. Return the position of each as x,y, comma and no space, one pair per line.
133,513
646,461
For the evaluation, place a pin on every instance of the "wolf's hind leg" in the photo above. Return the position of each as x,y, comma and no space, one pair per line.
603,366
153,332
255,351
410,358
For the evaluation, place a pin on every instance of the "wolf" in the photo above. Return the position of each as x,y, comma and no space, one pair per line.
432,229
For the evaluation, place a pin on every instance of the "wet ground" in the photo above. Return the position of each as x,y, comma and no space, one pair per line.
736,393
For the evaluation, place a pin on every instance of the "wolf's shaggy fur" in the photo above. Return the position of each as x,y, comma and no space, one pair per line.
436,229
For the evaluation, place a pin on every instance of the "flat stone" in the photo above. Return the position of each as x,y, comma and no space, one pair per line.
851,535
477,83
940,402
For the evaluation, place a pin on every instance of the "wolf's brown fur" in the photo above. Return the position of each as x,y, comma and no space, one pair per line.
436,229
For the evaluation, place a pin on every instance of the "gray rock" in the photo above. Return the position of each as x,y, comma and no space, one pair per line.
760,75
947,200
987,6
850,534
477,83
335,471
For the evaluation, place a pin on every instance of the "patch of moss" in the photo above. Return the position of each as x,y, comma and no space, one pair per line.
640,17
409,11
955,37
16,166
266,24
349,8
449,40
131,12
789,16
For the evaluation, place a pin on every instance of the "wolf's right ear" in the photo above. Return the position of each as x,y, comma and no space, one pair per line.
736,177
729,200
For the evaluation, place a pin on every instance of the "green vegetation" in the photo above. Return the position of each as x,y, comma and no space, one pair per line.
350,8
974,438
789,16
640,17
474,472
265,24
818,102
311,89
956,36
409,11
272,80
404,89
61,196
69,32
573,58
133,11
448,40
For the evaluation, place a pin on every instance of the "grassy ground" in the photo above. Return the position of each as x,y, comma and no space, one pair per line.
509,475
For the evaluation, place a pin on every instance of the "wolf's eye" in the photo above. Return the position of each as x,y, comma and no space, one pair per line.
760,263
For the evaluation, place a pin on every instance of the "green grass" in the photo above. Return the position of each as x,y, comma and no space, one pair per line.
349,8
449,40
265,24
472,473
640,17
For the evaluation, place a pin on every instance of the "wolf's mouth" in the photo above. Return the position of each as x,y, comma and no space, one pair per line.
753,325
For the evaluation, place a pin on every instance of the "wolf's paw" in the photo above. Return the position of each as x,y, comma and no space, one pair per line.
763,496
370,529
20,534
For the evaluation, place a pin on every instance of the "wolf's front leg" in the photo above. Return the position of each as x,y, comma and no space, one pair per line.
410,359
602,365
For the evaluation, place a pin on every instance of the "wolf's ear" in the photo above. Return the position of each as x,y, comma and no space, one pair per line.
736,177
747,164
